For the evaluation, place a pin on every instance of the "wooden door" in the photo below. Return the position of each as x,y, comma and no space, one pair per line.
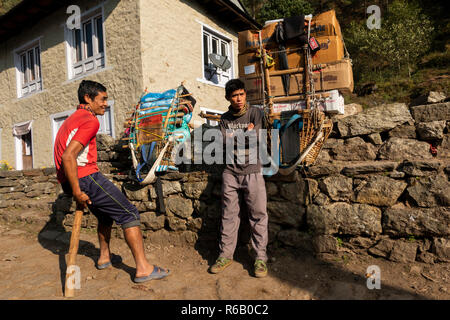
27,152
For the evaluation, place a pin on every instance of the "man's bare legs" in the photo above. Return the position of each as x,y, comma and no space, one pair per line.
133,237
104,236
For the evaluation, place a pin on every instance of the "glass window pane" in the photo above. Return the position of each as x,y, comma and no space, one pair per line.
88,39
38,62
79,53
205,49
99,25
59,121
215,45
224,48
108,121
105,122
101,120
23,60
31,64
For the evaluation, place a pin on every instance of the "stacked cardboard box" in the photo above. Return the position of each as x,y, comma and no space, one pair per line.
248,40
336,73
249,46
325,24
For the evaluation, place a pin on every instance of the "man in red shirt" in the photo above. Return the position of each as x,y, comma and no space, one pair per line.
75,155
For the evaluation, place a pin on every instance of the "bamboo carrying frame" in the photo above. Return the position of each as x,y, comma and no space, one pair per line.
157,131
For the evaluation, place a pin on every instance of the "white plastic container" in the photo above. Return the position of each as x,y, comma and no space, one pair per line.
272,21
334,103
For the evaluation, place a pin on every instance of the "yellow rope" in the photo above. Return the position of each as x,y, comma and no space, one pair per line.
150,133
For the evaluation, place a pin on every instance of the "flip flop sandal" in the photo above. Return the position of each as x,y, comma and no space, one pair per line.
114,259
158,273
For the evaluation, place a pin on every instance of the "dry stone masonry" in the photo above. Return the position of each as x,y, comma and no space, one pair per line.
377,188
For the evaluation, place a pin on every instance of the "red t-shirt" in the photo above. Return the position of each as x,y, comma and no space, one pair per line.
81,126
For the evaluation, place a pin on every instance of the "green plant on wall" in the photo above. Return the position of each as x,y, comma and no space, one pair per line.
339,242
345,259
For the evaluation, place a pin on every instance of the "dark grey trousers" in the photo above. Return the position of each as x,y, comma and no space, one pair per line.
254,194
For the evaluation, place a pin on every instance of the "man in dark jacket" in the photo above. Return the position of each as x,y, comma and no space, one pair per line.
242,174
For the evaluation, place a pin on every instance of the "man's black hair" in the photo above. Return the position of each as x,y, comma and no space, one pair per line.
90,88
233,85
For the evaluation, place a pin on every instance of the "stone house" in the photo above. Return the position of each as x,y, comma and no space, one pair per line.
128,45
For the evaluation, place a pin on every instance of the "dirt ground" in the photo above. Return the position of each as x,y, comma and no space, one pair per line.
33,267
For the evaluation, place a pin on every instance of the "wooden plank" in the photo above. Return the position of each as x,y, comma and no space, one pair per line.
210,116
289,98
277,115
128,124
179,114
288,71
156,107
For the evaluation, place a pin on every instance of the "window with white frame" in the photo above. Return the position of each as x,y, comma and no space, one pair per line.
211,112
213,42
107,120
86,46
28,66
57,120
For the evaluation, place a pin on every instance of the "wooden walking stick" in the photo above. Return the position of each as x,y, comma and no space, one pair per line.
73,271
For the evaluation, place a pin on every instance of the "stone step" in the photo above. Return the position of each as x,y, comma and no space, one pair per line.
37,218
40,203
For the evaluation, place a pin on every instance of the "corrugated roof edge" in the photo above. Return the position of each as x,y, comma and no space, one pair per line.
237,4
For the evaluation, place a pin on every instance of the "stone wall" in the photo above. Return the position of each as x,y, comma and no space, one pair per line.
379,191
383,185
26,190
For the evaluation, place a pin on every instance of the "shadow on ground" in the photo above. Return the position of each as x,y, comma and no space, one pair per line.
56,239
325,278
